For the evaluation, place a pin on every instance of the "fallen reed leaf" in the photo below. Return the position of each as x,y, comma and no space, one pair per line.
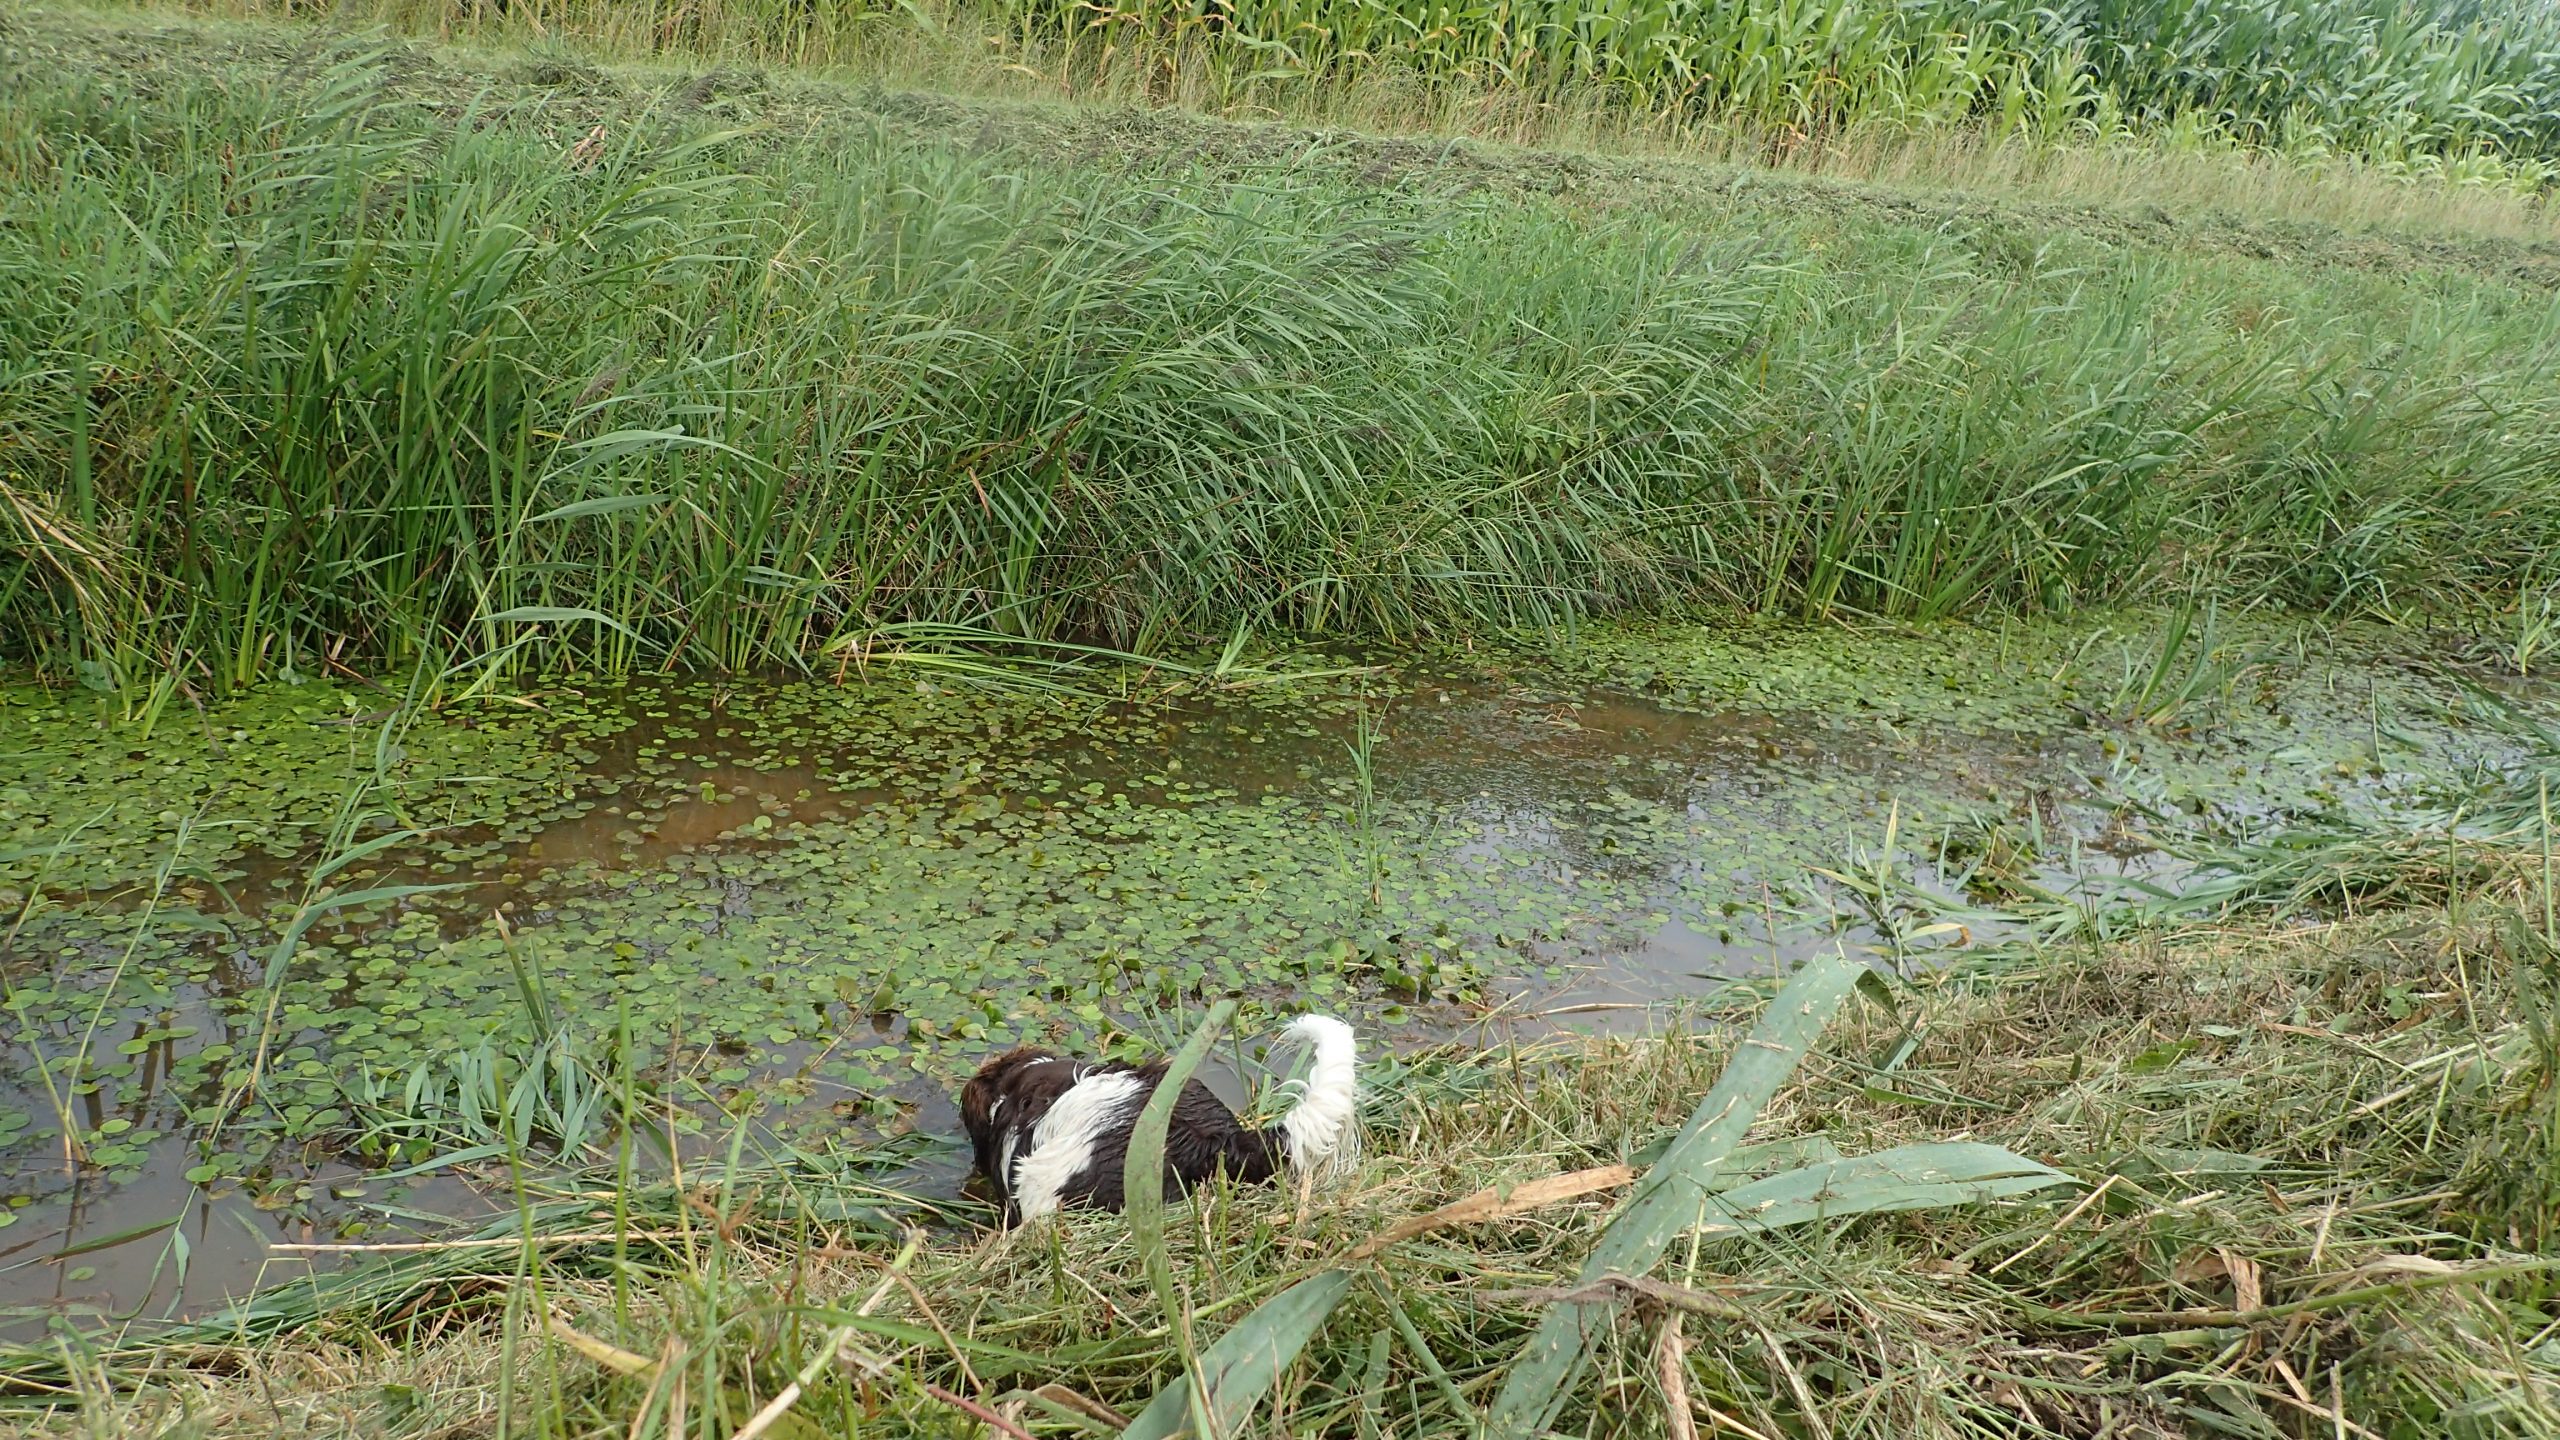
605,1353
1496,1202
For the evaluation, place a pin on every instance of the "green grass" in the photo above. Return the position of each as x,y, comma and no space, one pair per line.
312,371
467,367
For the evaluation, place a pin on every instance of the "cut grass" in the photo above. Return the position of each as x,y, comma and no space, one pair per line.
2467,95
321,374
958,80
2315,1198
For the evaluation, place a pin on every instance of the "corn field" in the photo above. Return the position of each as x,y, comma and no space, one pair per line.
2421,85
2375,77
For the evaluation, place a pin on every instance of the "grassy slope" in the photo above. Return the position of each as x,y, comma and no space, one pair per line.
2200,204
1232,376
2315,1136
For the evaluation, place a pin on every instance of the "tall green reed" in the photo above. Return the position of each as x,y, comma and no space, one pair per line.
318,376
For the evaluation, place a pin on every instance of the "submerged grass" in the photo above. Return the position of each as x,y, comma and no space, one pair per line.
316,374
2313,1197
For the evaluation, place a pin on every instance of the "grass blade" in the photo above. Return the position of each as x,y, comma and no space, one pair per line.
559,614
1246,1361
1907,1177
1142,1181
1674,1195
1497,1203
97,1243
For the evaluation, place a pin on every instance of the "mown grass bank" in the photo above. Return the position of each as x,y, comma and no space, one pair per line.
963,73
2466,92
2311,1193
312,371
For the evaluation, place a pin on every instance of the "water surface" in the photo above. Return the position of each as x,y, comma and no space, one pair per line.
810,906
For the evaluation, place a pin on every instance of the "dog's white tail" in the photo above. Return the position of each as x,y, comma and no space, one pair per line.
1323,1130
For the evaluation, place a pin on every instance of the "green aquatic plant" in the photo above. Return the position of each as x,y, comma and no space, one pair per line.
812,903
810,897
488,1100
110,1144
2182,675
323,892
1897,911
1363,747
264,775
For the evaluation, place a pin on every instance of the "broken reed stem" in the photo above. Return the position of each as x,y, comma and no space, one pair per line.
1496,1202
1671,1360
974,1410
516,1242
1623,1289
2231,1319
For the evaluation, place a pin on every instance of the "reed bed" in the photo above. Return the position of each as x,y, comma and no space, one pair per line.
314,374
2310,1195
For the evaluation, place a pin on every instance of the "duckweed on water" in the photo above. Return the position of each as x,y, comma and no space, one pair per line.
820,891
2250,716
815,904
93,801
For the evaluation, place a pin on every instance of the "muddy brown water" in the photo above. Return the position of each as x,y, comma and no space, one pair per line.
1750,797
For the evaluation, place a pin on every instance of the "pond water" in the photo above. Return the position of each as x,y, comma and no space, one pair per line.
810,906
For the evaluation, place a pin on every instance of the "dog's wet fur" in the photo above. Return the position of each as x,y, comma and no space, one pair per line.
1077,1157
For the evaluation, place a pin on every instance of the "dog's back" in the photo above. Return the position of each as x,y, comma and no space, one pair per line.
1052,1132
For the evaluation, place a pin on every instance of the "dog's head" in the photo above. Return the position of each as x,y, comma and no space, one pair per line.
982,1099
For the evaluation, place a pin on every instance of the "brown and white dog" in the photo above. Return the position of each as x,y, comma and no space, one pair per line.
1053,1132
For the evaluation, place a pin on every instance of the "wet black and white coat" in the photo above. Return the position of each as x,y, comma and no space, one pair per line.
1052,1132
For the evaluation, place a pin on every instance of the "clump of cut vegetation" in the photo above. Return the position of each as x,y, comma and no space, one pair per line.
2261,1182
389,383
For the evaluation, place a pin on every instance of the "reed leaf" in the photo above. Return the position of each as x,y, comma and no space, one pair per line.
1242,1366
1908,1177
405,388
1676,1195
1142,1178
